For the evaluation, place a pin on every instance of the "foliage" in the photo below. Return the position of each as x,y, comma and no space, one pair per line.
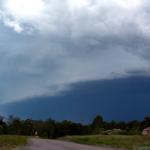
145,123
97,124
51,129
9,141
119,141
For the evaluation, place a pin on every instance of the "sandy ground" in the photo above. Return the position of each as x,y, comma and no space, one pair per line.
42,144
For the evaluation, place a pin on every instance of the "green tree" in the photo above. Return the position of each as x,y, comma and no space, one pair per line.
28,127
97,124
49,128
145,123
14,125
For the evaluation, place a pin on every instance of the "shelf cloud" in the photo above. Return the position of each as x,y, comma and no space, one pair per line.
46,45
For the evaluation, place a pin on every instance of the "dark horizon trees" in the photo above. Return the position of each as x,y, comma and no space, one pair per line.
53,129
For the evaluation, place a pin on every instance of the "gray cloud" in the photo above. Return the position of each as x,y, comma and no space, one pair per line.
71,41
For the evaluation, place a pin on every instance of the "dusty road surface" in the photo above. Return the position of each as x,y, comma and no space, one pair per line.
41,144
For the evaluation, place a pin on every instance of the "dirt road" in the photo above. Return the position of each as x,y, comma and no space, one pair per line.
41,144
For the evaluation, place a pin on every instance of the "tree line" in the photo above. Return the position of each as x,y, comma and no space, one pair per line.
53,129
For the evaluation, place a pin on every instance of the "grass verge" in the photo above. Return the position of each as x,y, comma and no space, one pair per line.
118,141
9,142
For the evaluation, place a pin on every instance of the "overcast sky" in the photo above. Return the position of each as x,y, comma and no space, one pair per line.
46,45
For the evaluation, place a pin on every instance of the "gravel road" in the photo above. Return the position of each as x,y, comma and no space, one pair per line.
42,144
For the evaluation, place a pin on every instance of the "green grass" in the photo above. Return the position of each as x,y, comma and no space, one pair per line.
119,141
8,142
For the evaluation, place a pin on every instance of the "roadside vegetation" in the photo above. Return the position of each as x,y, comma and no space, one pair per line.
130,142
100,132
9,142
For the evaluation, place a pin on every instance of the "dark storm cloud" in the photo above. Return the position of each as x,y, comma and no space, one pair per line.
113,99
65,42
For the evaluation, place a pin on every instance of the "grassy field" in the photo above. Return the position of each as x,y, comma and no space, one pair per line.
119,141
8,142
